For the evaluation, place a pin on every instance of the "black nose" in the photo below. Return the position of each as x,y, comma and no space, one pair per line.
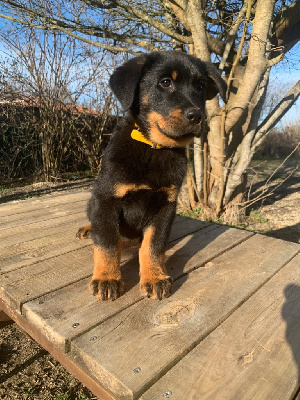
193,115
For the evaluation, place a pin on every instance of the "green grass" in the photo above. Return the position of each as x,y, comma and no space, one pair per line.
257,216
28,394
195,213
6,188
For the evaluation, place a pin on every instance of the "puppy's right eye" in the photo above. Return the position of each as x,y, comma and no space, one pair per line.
165,82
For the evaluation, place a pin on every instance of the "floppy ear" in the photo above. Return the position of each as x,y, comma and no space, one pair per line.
125,79
215,83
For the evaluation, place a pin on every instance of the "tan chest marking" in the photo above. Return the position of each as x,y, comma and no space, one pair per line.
122,189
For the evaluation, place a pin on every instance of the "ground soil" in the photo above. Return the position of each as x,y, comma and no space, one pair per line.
277,214
29,372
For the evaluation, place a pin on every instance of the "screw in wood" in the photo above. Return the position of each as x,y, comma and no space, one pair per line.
168,393
93,338
75,324
137,370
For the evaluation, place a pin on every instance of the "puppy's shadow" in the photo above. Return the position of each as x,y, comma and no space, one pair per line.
188,253
291,315
183,255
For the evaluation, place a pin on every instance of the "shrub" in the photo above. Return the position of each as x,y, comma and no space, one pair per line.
280,142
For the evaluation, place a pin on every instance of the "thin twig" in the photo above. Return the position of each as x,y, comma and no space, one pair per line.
222,183
205,173
291,153
246,204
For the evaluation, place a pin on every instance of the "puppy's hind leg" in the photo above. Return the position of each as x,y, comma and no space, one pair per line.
84,232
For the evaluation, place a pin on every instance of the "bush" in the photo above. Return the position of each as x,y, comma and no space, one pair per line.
280,142
44,142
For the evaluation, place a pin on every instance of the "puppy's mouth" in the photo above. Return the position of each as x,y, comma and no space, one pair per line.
171,131
181,133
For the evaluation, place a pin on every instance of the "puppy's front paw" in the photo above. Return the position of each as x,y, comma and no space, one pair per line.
157,288
107,289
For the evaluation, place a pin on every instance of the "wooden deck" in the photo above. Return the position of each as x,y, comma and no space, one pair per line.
230,330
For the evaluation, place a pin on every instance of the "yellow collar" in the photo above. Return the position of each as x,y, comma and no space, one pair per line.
137,135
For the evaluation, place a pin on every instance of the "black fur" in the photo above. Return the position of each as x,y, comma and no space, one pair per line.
165,93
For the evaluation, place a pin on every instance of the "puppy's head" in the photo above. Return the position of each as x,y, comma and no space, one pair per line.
166,93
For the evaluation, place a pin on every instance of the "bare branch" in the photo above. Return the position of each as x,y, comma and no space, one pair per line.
196,19
264,190
256,64
239,52
271,120
146,18
232,34
54,27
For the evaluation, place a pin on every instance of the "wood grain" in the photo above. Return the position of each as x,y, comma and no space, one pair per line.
183,226
56,312
44,202
40,214
153,336
45,245
32,281
20,234
254,354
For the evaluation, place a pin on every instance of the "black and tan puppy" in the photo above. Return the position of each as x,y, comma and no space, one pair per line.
144,165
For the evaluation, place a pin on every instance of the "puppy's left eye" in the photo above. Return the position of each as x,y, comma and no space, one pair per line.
165,83
199,86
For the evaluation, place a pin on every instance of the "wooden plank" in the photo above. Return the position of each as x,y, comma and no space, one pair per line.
32,251
35,215
254,354
39,278
20,234
29,282
196,250
21,206
183,226
131,351
60,241
55,313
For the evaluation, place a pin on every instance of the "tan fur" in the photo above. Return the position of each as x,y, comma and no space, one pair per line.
106,264
172,193
174,75
152,268
168,125
122,189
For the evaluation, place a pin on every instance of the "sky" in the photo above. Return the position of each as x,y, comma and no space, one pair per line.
284,75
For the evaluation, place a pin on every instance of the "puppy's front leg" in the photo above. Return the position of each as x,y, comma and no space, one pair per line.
154,281
106,281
